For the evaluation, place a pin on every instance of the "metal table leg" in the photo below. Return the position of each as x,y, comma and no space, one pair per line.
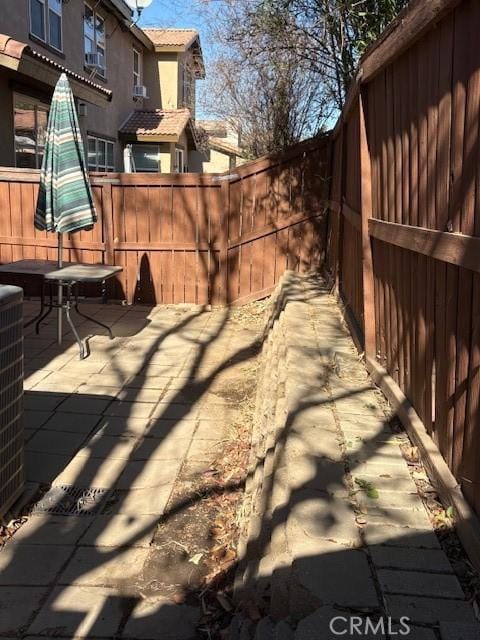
67,306
84,315
47,312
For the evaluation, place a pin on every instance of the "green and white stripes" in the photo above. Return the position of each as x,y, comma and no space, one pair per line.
65,202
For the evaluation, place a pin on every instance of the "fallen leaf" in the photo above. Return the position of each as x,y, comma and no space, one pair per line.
195,559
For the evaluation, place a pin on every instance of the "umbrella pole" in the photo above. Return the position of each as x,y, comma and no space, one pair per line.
60,291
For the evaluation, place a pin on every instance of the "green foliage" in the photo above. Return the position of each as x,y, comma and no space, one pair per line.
366,486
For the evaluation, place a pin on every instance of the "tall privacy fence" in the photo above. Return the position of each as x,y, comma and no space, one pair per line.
193,238
404,221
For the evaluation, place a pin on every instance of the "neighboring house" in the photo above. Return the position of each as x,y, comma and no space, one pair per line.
130,86
166,128
224,152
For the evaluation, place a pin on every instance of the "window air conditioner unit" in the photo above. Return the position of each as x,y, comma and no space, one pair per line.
94,60
139,91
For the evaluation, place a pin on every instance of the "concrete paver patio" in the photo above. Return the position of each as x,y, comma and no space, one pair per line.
148,414
126,420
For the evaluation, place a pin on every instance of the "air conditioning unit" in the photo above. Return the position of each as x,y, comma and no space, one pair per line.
139,91
94,60
12,468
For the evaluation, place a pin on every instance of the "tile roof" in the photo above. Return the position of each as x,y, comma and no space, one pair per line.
172,37
156,122
15,49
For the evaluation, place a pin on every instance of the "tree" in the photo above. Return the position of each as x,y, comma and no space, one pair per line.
265,91
284,66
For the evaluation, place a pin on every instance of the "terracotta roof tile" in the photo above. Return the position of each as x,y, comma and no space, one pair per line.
172,37
156,122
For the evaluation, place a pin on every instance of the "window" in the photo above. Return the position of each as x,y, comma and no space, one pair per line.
179,165
146,157
30,126
46,21
100,154
137,68
94,36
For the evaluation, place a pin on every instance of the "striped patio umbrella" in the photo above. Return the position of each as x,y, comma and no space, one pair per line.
65,202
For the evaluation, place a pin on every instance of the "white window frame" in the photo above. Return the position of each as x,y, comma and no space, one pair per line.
18,97
48,7
97,17
100,167
137,75
179,160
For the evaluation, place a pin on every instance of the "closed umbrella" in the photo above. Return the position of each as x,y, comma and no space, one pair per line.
65,202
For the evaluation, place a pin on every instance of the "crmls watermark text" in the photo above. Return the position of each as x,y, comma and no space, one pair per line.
356,626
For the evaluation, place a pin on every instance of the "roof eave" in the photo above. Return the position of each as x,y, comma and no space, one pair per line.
33,65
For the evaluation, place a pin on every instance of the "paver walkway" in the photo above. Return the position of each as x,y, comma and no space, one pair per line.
126,420
338,528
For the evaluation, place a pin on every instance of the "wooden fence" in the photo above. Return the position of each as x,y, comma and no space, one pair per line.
404,222
194,238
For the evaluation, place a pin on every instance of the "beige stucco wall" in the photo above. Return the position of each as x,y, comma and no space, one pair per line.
104,121
212,162
166,162
161,79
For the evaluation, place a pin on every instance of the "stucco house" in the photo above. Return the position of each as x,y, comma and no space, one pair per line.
166,127
134,89
224,151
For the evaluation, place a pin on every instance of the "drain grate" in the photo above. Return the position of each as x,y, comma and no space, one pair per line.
68,500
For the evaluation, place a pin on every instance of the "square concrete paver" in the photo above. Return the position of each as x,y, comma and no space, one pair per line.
42,401
117,426
338,577
74,611
35,419
141,474
120,531
50,529
140,502
45,467
167,448
32,565
125,409
80,403
421,584
429,610
103,446
17,605
105,567
410,559
171,429
85,472
60,442
72,422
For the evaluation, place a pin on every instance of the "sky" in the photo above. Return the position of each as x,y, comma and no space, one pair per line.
182,13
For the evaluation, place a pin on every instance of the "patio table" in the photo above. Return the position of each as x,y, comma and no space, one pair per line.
69,277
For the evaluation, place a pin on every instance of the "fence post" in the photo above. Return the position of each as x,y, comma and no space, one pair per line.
223,258
107,221
366,213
